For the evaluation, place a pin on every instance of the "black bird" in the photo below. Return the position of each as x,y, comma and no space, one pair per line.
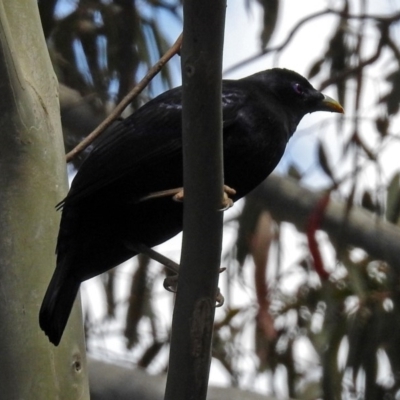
104,208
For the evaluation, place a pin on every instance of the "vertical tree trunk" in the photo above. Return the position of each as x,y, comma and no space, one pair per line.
32,180
193,318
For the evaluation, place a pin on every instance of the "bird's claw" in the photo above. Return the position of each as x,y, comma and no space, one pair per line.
219,299
227,202
171,283
178,196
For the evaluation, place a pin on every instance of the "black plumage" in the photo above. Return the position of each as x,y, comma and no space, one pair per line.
143,155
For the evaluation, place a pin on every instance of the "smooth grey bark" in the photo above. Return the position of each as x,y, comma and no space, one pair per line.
288,201
193,318
32,180
116,382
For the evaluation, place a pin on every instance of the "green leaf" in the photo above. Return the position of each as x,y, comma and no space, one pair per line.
294,173
271,8
382,125
367,202
316,68
324,162
393,199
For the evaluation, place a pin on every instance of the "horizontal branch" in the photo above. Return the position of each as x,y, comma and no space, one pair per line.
386,19
110,381
290,202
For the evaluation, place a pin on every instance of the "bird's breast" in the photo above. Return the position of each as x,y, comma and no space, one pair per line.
249,158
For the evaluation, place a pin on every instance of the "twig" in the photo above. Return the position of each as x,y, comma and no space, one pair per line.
378,18
153,71
381,19
282,45
343,75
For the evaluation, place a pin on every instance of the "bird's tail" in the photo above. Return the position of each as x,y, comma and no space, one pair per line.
57,305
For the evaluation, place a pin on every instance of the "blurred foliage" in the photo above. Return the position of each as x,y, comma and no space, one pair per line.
350,322
99,48
332,337
270,18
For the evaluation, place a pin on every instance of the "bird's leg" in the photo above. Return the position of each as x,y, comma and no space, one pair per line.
170,282
154,255
227,202
161,193
178,195
219,298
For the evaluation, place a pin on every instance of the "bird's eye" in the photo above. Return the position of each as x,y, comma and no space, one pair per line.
298,88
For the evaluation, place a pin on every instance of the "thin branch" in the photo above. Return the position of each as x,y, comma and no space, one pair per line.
192,324
350,71
153,71
281,46
392,45
381,19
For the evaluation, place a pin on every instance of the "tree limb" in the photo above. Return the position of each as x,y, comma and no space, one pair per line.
290,202
192,326
33,178
111,381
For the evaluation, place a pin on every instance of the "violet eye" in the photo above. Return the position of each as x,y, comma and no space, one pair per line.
298,88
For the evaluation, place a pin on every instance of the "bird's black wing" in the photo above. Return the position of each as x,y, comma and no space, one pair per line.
149,138
145,147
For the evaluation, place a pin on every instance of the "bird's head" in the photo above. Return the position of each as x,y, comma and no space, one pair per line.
297,94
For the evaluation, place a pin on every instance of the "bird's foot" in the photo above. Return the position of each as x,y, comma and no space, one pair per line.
177,194
154,255
227,202
219,299
171,283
